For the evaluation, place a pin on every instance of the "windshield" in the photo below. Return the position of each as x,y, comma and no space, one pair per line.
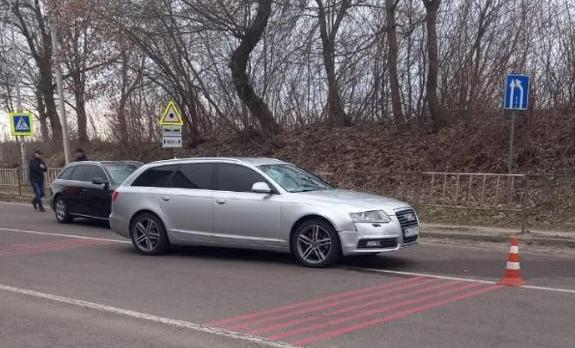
119,172
294,179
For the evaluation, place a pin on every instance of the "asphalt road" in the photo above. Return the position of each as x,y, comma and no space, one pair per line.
80,285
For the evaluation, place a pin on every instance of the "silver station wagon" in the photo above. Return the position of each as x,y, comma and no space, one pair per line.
256,203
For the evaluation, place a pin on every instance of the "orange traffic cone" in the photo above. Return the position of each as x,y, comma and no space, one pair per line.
512,276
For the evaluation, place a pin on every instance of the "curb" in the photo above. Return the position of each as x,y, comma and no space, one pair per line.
525,238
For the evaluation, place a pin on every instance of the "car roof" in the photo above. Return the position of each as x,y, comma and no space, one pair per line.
254,161
103,162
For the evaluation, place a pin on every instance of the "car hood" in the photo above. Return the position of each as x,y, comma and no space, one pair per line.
354,200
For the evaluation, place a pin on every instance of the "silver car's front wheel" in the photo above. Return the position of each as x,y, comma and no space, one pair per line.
315,244
149,234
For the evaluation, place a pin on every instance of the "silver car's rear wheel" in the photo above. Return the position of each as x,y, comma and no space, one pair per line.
149,234
315,244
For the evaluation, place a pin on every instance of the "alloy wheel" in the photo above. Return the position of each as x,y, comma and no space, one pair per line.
146,234
314,244
60,210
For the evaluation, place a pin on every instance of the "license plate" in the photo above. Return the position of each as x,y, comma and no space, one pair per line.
411,231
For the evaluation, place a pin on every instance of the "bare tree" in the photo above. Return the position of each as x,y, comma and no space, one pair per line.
83,52
392,53
330,18
32,23
437,116
238,64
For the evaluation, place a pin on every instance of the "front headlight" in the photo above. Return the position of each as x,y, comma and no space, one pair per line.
371,217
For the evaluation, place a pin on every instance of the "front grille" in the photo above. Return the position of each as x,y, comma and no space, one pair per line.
403,217
407,218
382,243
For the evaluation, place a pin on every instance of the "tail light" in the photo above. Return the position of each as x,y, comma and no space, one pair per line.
115,196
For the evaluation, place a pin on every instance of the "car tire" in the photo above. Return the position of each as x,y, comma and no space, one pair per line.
61,211
148,235
315,243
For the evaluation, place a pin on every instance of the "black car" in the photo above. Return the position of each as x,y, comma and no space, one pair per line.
84,189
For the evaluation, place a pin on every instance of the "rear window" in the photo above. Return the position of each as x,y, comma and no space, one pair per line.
155,177
119,172
194,176
82,173
67,173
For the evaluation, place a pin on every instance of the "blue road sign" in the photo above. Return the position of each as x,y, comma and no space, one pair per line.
21,123
516,92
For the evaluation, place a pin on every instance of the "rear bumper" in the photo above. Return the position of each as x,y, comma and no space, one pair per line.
120,225
374,238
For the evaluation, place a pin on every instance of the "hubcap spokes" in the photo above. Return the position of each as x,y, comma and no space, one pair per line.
314,244
146,234
60,210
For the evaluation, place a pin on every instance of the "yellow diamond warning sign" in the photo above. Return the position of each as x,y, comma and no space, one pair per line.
172,116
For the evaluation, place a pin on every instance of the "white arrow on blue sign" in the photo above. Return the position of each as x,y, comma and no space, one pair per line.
516,92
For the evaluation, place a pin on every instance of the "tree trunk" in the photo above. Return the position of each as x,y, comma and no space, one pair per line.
240,78
42,117
191,127
79,93
336,113
392,49
47,89
437,117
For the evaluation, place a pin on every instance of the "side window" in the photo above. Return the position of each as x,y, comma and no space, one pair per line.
82,173
97,172
236,178
67,173
194,176
155,177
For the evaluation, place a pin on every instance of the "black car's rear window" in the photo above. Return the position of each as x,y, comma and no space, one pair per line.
120,171
67,173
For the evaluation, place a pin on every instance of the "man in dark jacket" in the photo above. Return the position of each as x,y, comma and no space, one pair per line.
36,169
81,155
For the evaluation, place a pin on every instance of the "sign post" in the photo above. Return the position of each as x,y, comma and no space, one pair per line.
21,125
172,122
516,99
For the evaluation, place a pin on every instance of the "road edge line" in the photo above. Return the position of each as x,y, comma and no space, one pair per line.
471,280
148,317
53,234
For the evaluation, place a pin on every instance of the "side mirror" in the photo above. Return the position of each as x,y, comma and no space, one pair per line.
261,187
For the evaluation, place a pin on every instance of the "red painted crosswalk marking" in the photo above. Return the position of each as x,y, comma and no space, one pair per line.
243,317
337,314
46,247
338,303
393,316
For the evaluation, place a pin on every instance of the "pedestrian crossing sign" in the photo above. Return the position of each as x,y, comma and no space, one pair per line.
21,123
172,116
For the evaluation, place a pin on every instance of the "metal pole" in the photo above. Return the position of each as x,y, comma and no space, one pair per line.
18,95
20,171
55,54
19,142
512,135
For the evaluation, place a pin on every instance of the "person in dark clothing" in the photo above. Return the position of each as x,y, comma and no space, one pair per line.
81,155
36,169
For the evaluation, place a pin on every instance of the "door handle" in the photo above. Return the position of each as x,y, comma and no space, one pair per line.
165,198
221,201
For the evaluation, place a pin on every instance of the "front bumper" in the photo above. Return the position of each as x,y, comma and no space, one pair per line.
376,238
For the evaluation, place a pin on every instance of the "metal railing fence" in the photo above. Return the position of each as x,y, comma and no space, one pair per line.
550,196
